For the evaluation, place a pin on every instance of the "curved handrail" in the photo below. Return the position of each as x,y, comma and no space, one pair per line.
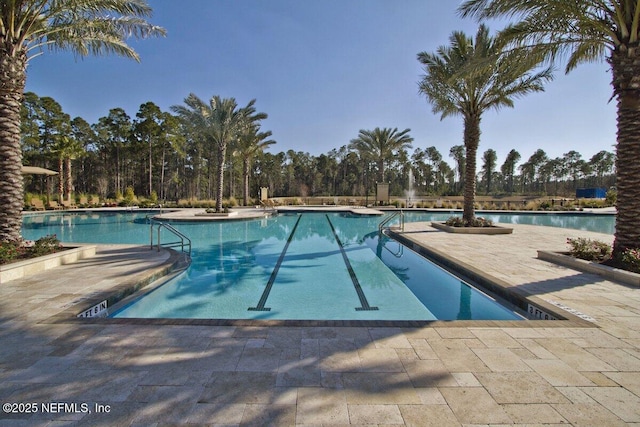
184,240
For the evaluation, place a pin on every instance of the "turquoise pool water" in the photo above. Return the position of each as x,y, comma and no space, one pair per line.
311,266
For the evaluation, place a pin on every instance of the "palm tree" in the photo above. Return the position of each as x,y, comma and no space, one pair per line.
589,31
66,148
219,122
82,26
468,78
381,145
250,142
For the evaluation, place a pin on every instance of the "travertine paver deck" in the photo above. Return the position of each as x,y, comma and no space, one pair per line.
446,374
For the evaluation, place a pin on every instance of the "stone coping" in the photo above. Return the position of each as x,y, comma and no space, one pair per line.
28,267
609,273
494,229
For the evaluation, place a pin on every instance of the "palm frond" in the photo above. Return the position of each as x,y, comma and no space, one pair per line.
96,27
580,30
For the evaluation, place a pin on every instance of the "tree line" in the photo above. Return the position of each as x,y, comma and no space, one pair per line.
165,154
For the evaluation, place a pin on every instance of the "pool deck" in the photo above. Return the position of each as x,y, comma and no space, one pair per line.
444,374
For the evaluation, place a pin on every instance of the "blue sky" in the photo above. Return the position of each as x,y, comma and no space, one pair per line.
322,70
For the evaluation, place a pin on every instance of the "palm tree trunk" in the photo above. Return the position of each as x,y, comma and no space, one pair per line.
162,190
222,151
60,178
69,178
381,170
471,142
625,64
150,168
245,178
12,81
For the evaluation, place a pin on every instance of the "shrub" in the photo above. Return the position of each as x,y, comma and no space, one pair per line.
44,246
611,197
8,252
153,198
631,260
230,202
129,196
11,251
591,203
590,250
456,221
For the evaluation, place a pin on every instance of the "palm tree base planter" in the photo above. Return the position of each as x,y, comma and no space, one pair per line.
610,273
494,229
28,267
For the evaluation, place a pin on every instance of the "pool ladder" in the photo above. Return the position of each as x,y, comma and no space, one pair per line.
384,223
184,241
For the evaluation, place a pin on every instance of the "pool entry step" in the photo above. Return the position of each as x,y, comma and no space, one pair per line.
364,303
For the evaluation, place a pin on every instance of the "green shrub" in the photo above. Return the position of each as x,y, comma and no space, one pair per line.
8,252
11,251
590,250
129,196
631,260
230,202
457,221
44,246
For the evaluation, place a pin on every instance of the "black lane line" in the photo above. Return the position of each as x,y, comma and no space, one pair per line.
274,273
356,284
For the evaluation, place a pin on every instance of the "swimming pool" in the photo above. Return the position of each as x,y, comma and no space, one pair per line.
310,266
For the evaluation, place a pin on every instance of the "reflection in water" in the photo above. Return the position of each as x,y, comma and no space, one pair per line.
465,302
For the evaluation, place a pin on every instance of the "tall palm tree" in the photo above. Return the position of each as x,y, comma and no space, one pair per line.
470,77
590,31
66,148
26,27
250,142
219,122
381,145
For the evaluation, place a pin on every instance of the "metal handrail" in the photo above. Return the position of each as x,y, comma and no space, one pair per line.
184,240
385,221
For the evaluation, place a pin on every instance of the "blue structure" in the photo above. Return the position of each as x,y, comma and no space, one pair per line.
591,193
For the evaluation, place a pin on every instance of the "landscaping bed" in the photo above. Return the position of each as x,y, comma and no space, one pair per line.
493,229
68,254
593,267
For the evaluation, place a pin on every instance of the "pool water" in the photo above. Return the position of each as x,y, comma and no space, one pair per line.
312,266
